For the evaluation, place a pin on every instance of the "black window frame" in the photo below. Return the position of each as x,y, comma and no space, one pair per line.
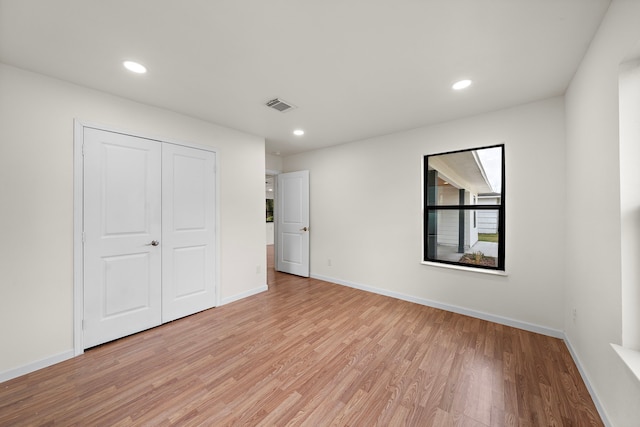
431,209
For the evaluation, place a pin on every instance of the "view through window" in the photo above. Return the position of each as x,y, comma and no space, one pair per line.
464,207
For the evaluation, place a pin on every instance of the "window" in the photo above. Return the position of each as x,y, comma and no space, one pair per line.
464,208
269,210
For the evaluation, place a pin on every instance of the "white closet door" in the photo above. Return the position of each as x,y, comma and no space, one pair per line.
122,265
188,231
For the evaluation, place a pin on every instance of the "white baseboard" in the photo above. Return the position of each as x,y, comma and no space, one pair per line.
587,382
448,307
242,295
34,366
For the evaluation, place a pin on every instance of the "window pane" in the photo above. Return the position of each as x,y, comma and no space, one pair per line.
269,209
458,178
453,236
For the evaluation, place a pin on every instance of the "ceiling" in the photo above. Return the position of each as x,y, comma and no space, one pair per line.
354,68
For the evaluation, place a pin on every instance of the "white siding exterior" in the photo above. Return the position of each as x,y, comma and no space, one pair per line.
448,221
488,220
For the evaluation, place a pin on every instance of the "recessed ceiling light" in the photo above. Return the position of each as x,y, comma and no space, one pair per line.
462,84
298,132
135,67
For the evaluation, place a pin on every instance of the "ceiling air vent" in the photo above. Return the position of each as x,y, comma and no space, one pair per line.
280,105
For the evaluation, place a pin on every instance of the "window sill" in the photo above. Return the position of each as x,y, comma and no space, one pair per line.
630,357
463,268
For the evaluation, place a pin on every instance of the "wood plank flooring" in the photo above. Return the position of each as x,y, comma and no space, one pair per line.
311,353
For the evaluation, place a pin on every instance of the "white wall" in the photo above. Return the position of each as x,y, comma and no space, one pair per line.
36,204
273,163
366,213
593,224
270,233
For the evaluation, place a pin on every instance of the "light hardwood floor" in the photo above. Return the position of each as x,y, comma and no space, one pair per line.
311,353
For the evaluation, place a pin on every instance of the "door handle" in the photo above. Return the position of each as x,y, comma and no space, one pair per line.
304,229
154,243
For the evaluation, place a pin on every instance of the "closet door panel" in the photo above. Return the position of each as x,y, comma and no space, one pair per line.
122,268
188,231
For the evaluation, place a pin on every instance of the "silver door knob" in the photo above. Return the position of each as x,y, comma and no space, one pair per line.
155,243
304,229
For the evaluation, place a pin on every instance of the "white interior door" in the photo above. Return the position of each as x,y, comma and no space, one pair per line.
292,216
188,231
122,214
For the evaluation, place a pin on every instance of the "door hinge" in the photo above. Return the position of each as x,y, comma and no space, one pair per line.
83,149
84,237
83,325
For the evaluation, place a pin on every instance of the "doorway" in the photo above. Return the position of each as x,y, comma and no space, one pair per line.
291,231
270,195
